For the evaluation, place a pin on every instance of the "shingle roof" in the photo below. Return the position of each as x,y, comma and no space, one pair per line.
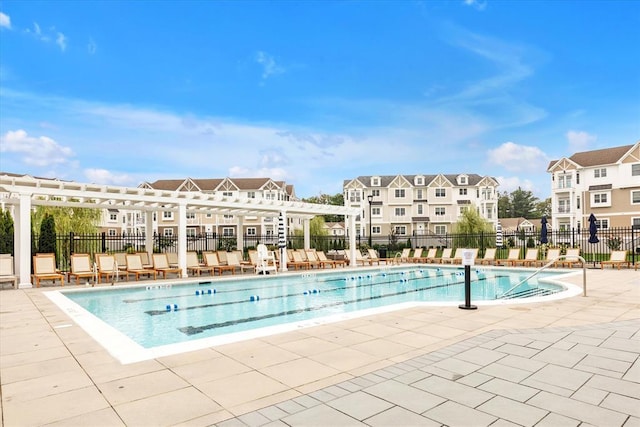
385,180
605,156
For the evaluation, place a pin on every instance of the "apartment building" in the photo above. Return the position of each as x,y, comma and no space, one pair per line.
117,221
418,204
603,182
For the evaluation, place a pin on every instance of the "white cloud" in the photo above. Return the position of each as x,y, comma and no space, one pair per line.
92,47
103,176
514,157
269,66
5,21
40,151
479,5
511,183
579,141
61,41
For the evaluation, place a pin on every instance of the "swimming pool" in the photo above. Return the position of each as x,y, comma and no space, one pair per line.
159,318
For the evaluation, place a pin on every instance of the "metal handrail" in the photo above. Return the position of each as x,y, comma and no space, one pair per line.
544,267
115,273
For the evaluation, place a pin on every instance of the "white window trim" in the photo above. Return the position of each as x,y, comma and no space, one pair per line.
631,197
601,204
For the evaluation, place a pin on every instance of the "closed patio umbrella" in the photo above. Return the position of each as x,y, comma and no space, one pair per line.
499,238
593,229
543,231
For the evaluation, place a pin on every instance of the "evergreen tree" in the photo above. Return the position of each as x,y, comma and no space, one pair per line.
6,232
47,237
523,204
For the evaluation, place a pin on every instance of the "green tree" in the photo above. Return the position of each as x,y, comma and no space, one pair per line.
326,199
6,232
504,205
68,219
317,232
471,230
523,204
47,237
543,208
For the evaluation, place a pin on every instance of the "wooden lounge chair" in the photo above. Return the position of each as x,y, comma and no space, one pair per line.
417,255
212,261
81,267
173,259
514,255
107,268
571,258
552,254
7,274
456,259
373,256
146,262
121,260
489,257
404,256
44,268
617,258
446,255
135,268
313,263
194,266
529,259
332,262
296,261
161,265
237,264
431,255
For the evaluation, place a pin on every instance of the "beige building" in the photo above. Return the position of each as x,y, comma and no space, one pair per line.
604,182
165,223
414,205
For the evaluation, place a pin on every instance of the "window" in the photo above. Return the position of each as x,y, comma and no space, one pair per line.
440,229
401,230
375,212
463,191
227,231
251,195
354,196
168,232
113,216
564,181
602,224
112,232
635,197
463,180
191,232
375,181
440,211
441,192
167,215
399,193
419,209
564,206
376,229
635,223
600,198
375,193
228,216
209,215
419,194
635,169
227,193
578,202
419,180
400,211
577,177
191,215
600,173
251,231
463,209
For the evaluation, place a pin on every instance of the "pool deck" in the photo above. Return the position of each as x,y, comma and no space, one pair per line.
570,362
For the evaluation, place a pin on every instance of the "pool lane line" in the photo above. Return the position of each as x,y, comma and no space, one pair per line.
220,304
193,330
220,291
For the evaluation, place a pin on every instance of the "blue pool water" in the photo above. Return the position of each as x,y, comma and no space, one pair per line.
161,314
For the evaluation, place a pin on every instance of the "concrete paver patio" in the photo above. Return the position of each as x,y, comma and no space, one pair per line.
566,362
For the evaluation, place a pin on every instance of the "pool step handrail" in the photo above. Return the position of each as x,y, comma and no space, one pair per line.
547,265
114,273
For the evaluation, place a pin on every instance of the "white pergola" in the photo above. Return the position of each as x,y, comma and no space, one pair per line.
24,192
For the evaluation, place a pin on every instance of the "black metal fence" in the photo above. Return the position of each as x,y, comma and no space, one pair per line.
627,239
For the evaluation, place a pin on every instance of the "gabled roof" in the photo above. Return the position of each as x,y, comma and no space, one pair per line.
604,156
386,180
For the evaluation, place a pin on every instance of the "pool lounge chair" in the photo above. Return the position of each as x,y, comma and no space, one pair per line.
417,256
444,257
456,259
107,268
552,254
121,260
489,257
194,266
334,263
514,255
234,261
311,259
529,259
161,265
173,259
146,262
373,256
617,258
212,261
7,274
135,267
404,256
81,267
431,255
571,258
296,261
44,268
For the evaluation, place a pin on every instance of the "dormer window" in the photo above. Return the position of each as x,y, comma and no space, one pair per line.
375,181
463,180
419,180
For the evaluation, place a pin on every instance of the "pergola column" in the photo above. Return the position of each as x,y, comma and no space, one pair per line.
305,232
351,223
182,237
22,240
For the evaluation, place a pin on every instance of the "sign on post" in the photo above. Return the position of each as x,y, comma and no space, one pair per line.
467,257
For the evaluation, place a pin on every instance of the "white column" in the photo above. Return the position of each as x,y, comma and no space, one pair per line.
240,238
283,251
148,233
182,238
305,231
351,221
22,241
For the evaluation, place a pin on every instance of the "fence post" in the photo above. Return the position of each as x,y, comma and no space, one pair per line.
103,239
72,243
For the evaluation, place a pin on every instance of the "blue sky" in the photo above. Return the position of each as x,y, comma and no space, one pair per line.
121,92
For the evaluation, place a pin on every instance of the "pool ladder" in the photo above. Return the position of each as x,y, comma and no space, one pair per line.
547,265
